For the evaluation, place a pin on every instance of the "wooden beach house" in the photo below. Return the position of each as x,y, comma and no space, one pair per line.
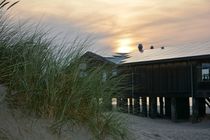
160,81
172,74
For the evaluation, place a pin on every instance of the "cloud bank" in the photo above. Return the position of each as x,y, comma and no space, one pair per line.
150,22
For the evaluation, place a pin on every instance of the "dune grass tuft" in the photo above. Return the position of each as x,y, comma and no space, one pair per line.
44,80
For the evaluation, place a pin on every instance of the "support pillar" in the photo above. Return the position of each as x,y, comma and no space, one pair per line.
195,110
153,107
110,106
198,109
173,109
161,106
130,108
168,107
202,107
136,106
180,109
123,105
119,103
144,106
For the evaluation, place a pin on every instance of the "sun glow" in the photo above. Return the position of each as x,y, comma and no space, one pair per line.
124,45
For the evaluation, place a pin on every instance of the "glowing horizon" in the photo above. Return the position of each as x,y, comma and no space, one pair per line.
114,23
124,45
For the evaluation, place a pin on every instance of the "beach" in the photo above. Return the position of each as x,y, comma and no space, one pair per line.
16,126
159,129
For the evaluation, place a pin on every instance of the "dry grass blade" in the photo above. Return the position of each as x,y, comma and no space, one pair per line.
4,4
12,5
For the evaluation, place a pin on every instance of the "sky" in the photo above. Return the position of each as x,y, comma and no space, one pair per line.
120,25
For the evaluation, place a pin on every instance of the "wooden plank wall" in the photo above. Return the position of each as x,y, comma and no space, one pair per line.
172,79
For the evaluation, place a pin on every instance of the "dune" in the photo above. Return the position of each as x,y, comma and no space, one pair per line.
18,126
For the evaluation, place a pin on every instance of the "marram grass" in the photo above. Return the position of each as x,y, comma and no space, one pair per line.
45,80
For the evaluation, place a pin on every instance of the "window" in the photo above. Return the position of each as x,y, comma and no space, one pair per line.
104,76
205,71
82,68
114,72
82,74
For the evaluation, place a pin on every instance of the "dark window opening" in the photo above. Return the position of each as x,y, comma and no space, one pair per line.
205,72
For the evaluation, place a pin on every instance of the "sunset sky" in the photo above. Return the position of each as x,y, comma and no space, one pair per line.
119,25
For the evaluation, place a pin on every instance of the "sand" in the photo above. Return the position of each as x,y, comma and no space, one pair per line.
16,126
159,129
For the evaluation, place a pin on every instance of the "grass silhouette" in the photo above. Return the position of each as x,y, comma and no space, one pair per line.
44,79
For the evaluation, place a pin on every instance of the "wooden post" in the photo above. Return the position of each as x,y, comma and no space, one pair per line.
199,109
161,106
125,105
180,108
110,106
130,105
195,110
119,102
202,107
168,107
173,109
136,106
144,106
122,104
153,107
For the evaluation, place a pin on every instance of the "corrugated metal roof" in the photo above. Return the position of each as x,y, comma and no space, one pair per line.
169,53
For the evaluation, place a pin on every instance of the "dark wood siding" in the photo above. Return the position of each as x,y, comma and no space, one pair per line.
172,79
167,79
